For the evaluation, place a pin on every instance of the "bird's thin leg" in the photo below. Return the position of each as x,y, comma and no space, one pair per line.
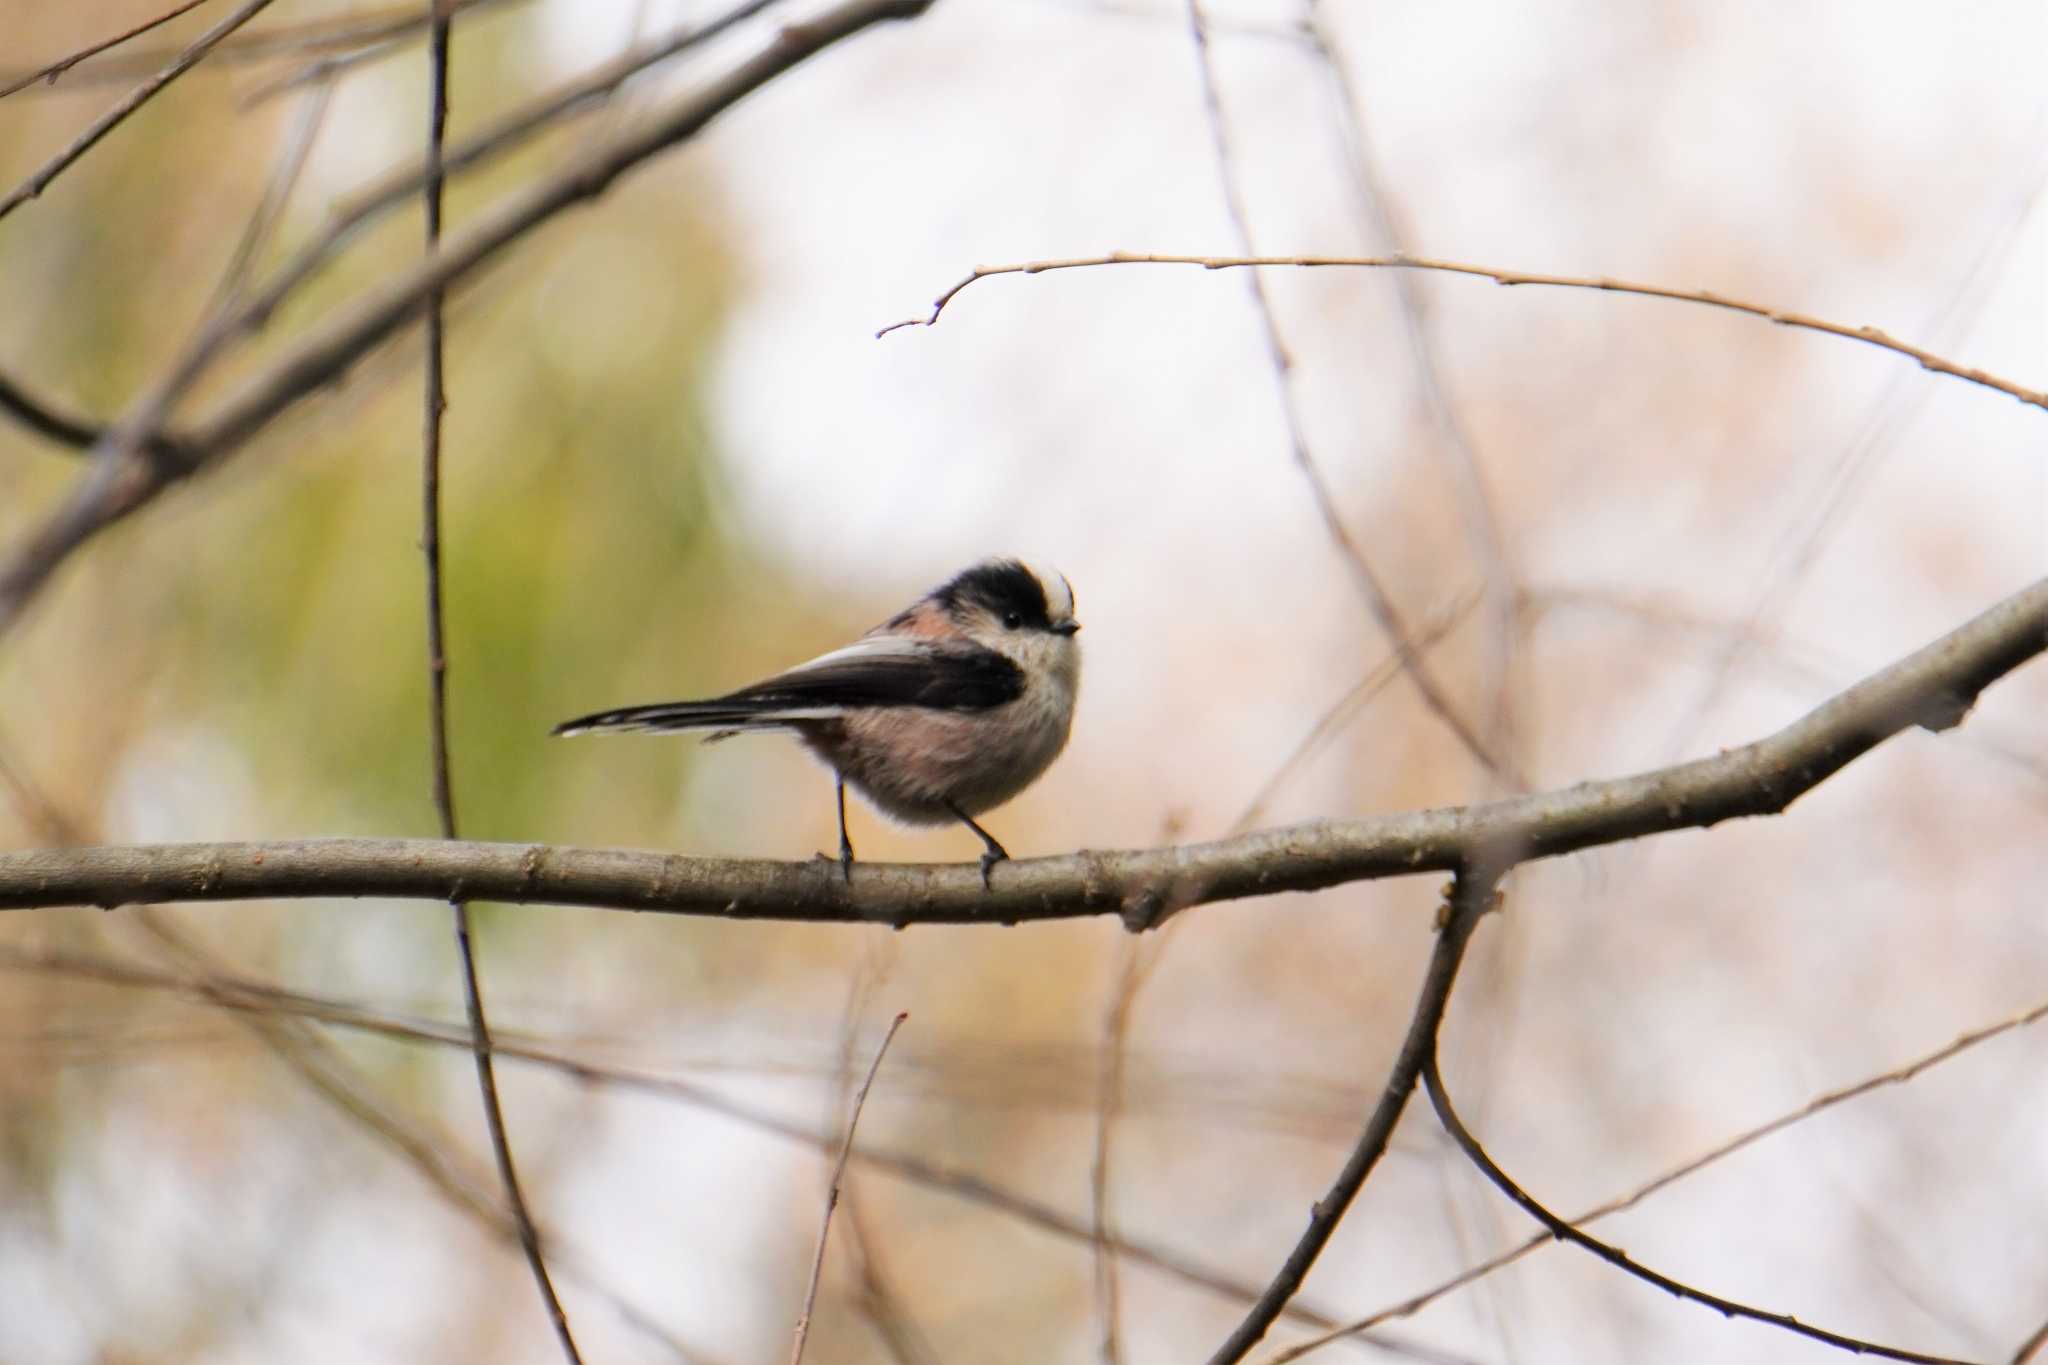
845,844
994,852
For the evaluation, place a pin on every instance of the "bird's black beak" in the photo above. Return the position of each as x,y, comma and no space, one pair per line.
1066,627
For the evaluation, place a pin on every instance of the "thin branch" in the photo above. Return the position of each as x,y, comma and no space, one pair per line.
1467,899
135,99
1109,1097
119,486
904,1166
79,434
45,420
1371,589
1898,1075
1804,538
435,401
1869,335
1933,688
860,1099
321,71
337,32
427,1149
1342,711
1384,231
57,68
291,164
1433,1082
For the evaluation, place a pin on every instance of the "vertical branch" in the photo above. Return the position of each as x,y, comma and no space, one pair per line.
1386,232
1377,600
437,689
860,1099
1109,1098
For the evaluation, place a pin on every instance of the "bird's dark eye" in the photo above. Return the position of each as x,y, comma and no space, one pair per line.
1012,620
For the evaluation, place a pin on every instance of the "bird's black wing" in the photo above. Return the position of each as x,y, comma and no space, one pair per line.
951,677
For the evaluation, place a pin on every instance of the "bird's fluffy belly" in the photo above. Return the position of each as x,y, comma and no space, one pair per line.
910,762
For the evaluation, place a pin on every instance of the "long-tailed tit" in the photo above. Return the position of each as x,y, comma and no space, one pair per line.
947,709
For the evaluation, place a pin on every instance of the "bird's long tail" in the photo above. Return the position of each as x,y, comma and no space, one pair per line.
716,714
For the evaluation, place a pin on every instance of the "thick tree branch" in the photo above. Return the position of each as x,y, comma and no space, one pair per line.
1932,687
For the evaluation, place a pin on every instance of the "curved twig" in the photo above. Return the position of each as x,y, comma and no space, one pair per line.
1433,1082
1869,335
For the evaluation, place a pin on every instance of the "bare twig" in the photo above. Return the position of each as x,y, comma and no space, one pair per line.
1466,900
40,179
1116,1023
119,485
338,32
1385,231
1433,1082
431,1153
436,403
1819,1104
860,1098
45,420
1802,540
63,64
912,1169
291,164
1869,335
1370,587
1340,712
1933,688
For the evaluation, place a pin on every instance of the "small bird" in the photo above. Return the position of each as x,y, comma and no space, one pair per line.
947,709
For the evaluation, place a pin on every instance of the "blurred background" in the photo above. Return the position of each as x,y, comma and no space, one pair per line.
1633,531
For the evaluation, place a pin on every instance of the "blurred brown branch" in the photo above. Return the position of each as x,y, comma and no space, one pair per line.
363,29
1933,688
1378,601
40,179
1433,1081
1870,335
860,1099
127,477
63,64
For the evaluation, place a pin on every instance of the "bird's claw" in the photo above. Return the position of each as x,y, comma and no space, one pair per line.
989,858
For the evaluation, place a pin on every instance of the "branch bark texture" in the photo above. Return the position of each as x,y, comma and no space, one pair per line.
1933,687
